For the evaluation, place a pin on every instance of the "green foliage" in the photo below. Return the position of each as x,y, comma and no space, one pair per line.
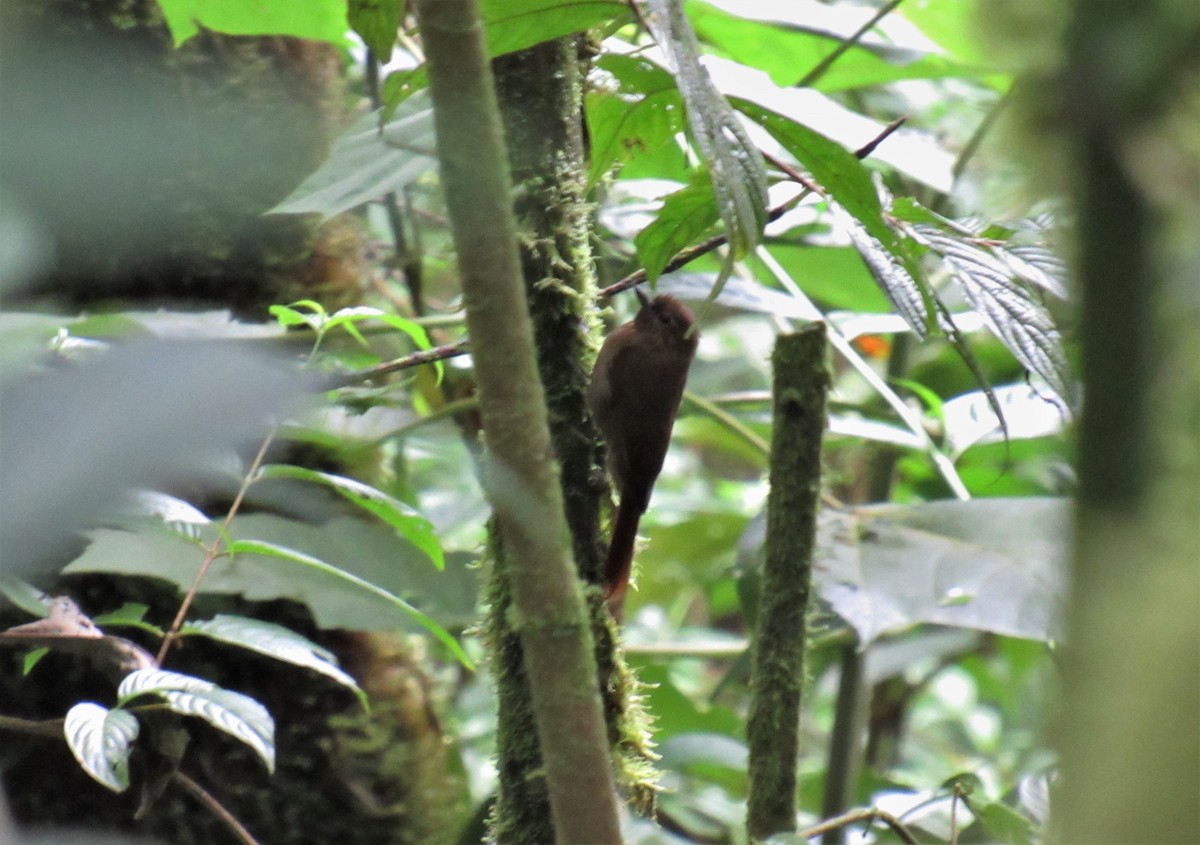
955,603
322,20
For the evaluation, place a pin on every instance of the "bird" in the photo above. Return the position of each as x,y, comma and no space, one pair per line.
634,394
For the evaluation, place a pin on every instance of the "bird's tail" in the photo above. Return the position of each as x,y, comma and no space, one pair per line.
619,564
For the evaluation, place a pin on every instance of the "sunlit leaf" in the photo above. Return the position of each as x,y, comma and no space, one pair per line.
237,715
835,168
274,641
284,553
407,522
511,25
1019,320
101,740
633,108
319,20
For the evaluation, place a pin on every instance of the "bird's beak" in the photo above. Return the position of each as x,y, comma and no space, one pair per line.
642,298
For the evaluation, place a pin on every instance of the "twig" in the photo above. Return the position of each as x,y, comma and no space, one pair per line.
819,70
730,422
416,359
50,728
214,549
214,806
691,253
868,815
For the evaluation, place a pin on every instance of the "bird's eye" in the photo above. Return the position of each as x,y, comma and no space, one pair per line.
664,318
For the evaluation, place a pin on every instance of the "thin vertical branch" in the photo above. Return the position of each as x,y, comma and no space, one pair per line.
520,476
801,381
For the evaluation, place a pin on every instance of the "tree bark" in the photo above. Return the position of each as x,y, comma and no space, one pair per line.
521,478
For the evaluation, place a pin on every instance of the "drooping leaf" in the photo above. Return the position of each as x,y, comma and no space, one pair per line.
685,216
735,166
994,565
893,277
511,25
25,596
376,22
1019,320
407,522
284,553
835,168
368,161
362,570
319,20
237,715
101,740
787,40
274,641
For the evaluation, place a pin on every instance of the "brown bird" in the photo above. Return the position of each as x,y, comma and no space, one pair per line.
636,387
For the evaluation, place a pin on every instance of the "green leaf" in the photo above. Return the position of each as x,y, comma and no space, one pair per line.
511,25
408,523
32,659
284,553
376,22
237,715
25,596
101,740
734,164
318,20
684,217
789,42
1003,823
835,168
369,161
361,313
351,553
996,565
274,641
638,113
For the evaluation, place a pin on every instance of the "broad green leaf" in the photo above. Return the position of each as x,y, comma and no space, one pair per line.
407,522
734,164
282,552
633,108
368,162
274,641
318,20
685,216
835,168
362,568
376,22
996,565
511,25
237,715
101,740
787,40
833,276
25,596
1003,823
